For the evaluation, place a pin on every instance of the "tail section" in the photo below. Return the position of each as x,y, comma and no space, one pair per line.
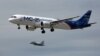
85,18
82,22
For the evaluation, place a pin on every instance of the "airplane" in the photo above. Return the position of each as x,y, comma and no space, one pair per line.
34,22
38,44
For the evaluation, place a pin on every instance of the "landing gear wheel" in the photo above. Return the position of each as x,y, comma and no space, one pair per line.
18,27
43,31
52,30
27,27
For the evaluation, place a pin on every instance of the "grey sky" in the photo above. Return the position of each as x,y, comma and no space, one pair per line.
15,42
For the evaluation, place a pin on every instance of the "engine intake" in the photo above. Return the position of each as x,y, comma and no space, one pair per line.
31,28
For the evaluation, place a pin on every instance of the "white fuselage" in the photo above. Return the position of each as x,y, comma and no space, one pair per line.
34,21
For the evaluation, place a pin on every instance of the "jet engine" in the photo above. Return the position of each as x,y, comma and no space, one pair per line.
31,28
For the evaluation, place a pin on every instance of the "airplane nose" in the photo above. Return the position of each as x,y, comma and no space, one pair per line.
10,19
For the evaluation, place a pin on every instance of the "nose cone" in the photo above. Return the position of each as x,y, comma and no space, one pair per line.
11,20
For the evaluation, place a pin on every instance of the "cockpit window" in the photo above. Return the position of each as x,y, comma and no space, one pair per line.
13,17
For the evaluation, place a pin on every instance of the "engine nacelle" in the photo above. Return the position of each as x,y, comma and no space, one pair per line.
31,28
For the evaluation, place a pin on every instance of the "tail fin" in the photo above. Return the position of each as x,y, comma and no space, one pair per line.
85,18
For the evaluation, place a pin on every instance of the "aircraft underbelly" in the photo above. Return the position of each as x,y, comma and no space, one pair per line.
61,25
26,23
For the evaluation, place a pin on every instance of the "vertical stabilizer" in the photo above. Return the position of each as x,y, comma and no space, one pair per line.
85,18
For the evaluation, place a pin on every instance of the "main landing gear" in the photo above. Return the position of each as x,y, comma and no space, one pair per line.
52,29
18,26
42,28
27,27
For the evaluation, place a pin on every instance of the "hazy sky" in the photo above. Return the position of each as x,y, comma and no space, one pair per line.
15,42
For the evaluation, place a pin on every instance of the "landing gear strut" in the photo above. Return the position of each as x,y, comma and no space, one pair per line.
18,26
52,29
27,27
42,28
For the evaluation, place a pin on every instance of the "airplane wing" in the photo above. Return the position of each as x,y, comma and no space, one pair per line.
71,18
59,21
60,24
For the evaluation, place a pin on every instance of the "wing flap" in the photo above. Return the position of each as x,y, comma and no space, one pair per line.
62,25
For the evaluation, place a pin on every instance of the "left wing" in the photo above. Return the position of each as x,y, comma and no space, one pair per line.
60,24
59,21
